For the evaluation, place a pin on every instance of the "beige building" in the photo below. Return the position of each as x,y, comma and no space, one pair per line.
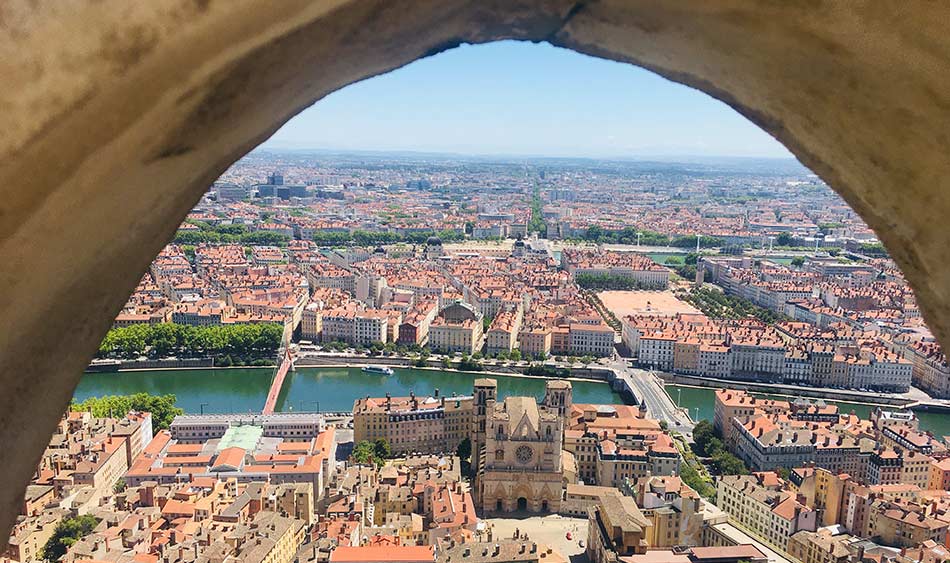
458,328
311,323
899,524
673,509
820,547
522,464
824,491
431,425
579,498
535,340
29,536
371,326
592,339
939,479
502,334
731,403
761,506
616,529
277,541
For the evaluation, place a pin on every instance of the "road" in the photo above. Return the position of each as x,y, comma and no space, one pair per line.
650,390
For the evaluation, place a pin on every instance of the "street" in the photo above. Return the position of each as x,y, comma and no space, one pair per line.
650,390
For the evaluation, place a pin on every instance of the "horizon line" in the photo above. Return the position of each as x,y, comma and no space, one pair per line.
645,157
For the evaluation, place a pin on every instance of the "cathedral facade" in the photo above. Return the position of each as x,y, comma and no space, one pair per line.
517,447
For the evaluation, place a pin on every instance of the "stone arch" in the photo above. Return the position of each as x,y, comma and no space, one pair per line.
117,116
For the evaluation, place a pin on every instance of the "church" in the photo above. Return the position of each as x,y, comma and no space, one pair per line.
517,447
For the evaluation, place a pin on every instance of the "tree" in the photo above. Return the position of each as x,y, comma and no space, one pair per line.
161,407
798,261
692,478
595,233
375,453
68,532
381,448
464,450
243,343
515,355
119,486
784,239
784,473
365,453
703,432
714,446
728,464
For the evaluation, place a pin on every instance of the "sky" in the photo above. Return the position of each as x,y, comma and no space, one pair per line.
515,98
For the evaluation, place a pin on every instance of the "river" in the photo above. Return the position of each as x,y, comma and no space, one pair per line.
324,389
335,389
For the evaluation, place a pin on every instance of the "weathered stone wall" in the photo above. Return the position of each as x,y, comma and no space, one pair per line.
115,116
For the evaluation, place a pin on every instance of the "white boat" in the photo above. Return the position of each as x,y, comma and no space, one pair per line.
379,369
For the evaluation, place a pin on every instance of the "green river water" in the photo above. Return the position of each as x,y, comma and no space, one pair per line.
310,389
335,389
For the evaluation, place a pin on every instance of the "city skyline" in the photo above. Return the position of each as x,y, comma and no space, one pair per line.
529,100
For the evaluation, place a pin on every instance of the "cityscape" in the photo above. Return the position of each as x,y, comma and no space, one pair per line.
408,358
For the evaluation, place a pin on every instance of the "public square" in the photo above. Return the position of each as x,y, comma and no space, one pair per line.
550,530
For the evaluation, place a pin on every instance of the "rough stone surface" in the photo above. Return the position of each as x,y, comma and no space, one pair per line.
117,115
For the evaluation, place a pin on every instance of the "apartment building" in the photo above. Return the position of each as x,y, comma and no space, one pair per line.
311,323
731,403
673,508
939,475
414,425
535,340
930,369
502,334
761,506
589,339
821,546
371,326
414,328
637,267
901,524
616,528
614,443
457,328
767,443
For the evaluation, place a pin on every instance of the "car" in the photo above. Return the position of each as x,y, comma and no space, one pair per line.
580,543
569,536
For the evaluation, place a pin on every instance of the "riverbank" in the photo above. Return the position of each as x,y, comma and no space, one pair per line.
788,390
490,367
113,366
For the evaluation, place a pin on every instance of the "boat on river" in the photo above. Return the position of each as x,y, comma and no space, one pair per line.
378,369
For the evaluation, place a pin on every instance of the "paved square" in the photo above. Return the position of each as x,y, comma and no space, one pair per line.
663,303
550,530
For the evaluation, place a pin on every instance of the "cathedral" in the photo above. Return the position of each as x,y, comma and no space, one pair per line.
517,447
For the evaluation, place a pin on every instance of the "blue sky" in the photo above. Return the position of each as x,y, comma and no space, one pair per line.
525,99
